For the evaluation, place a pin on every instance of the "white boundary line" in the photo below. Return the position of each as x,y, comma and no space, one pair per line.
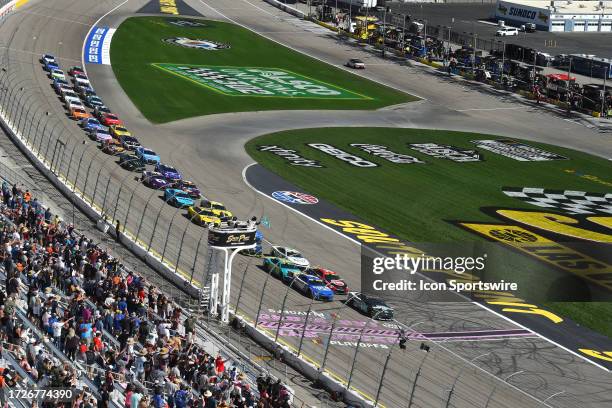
476,303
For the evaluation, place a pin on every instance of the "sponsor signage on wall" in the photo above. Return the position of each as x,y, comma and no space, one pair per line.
517,151
231,238
384,153
342,155
519,12
254,81
447,152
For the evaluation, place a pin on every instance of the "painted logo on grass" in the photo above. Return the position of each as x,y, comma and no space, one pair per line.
198,44
256,81
294,197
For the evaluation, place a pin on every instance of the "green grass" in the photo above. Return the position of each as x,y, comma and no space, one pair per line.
163,97
417,201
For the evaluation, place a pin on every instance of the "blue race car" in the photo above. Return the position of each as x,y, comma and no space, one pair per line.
168,172
89,124
147,155
50,64
59,83
312,286
178,198
84,91
281,268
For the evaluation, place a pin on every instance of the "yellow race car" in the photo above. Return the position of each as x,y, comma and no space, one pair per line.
216,207
202,216
118,130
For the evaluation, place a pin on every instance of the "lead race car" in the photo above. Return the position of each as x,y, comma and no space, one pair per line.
370,306
291,255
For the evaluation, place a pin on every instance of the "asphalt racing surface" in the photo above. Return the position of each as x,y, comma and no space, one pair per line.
209,150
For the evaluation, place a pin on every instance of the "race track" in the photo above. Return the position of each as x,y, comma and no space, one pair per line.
209,150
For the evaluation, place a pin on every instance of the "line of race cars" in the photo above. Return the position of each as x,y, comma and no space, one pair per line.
106,128
290,266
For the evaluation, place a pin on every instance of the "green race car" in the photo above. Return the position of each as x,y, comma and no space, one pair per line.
281,268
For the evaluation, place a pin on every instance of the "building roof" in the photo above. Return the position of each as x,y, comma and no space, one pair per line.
567,6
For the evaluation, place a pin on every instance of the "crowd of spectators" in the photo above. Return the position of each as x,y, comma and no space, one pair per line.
131,339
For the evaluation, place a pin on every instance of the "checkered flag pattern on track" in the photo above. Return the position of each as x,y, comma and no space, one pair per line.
567,201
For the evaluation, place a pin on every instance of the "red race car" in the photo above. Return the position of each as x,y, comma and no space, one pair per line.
109,119
331,279
76,70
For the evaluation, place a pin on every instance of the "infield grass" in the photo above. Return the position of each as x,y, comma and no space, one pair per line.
417,201
163,96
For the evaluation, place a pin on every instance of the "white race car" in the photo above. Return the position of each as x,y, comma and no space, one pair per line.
355,63
291,255
80,80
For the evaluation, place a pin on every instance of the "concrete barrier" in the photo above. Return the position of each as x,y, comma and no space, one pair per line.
307,369
286,8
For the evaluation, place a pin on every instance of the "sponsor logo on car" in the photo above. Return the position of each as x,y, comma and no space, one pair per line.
342,155
207,45
447,152
385,153
294,197
290,155
256,81
517,150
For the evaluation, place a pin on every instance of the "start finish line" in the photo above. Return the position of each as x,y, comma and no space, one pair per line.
254,81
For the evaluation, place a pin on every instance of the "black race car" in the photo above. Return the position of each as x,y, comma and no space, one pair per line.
131,162
370,306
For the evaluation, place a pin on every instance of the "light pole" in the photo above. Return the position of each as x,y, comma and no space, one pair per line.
384,31
503,61
603,100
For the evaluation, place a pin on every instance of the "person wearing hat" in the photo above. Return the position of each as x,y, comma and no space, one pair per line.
211,402
139,364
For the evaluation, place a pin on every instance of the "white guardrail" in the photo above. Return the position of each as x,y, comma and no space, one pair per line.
286,8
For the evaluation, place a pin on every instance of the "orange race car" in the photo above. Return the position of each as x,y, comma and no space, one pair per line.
79,113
